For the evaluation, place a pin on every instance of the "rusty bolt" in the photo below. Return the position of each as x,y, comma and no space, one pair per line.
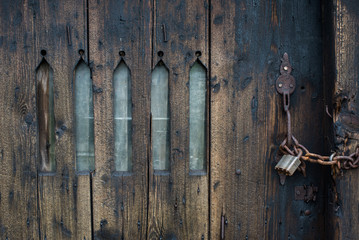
307,212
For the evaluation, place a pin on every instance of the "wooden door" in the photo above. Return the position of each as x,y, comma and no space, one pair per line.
203,166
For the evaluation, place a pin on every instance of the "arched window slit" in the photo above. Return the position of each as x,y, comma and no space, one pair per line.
46,119
197,117
84,118
122,117
160,118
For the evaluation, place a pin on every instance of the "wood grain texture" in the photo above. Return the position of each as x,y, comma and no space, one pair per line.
241,43
41,206
45,116
248,38
178,199
64,196
18,135
343,206
120,199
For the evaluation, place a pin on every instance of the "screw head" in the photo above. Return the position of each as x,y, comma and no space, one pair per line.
280,85
286,68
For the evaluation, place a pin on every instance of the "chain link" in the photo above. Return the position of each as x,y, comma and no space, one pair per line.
285,85
291,146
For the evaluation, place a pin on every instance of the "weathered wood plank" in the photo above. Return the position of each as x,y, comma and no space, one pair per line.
64,196
120,199
178,199
342,73
18,135
248,38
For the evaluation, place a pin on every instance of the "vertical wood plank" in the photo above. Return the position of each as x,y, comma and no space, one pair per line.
120,198
248,123
18,135
178,199
342,73
64,197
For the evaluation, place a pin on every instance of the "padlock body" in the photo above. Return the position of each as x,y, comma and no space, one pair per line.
288,164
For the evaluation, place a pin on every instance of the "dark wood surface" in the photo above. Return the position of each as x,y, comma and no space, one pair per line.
120,200
40,204
343,72
240,44
18,135
248,38
64,197
178,200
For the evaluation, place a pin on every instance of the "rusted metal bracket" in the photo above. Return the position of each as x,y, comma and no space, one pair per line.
285,83
222,227
306,193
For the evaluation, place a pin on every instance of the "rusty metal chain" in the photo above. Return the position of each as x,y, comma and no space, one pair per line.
291,146
335,161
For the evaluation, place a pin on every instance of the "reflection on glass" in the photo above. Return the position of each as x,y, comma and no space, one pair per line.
160,118
197,117
84,118
122,118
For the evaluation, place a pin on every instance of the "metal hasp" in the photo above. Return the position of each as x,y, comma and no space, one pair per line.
285,83
294,153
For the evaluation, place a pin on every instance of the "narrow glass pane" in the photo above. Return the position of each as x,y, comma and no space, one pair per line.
160,118
84,119
45,107
122,118
197,117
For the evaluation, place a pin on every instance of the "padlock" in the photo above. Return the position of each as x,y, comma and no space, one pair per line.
288,164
